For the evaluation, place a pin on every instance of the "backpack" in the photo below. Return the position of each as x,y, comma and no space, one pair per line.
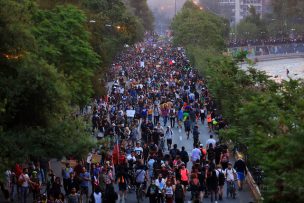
179,192
221,177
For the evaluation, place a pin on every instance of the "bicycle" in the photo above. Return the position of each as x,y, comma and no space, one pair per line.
231,191
140,193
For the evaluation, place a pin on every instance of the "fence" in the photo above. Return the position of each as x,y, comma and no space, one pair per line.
270,50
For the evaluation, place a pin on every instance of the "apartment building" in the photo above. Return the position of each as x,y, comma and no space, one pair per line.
236,10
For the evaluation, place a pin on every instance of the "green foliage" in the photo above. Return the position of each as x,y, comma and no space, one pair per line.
287,18
252,27
191,26
48,60
262,115
141,10
106,38
66,137
64,42
35,93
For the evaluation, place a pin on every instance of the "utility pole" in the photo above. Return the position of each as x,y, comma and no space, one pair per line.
175,7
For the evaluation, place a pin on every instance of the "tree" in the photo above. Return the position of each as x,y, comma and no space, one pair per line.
247,30
141,10
35,97
252,27
288,15
262,115
63,41
191,26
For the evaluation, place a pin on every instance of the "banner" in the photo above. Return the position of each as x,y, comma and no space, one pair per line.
130,113
96,158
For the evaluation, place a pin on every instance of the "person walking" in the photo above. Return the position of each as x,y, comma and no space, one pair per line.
24,181
220,173
195,154
152,192
179,192
172,114
196,134
241,170
169,135
169,191
184,156
212,184
187,126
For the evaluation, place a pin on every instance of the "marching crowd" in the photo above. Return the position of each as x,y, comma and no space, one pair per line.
155,90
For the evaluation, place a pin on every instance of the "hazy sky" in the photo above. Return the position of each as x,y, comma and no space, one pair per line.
163,11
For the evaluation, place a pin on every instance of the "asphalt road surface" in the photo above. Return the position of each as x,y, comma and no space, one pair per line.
181,140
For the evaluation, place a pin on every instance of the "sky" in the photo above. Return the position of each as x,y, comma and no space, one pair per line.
164,11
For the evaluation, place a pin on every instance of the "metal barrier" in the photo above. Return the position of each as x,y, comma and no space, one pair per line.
279,50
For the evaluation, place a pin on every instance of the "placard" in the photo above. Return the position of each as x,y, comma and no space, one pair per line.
142,64
96,158
130,113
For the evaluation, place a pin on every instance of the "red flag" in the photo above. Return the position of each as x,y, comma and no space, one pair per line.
116,152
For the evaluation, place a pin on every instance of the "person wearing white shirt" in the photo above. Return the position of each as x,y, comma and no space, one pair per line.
96,196
89,160
231,176
25,182
169,135
196,154
138,151
160,182
211,140
131,157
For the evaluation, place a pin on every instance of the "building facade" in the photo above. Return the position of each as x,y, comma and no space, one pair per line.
236,10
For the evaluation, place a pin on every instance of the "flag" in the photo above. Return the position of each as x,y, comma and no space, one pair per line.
115,155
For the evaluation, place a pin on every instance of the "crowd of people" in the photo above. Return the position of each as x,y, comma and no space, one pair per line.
268,41
155,93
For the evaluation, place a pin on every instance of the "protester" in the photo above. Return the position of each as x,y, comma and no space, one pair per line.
241,170
152,86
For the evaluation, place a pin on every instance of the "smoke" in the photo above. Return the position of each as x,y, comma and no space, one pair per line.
163,12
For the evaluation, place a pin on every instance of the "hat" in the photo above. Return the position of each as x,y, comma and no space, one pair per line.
201,145
206,165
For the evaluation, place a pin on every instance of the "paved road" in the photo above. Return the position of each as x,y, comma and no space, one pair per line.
181,140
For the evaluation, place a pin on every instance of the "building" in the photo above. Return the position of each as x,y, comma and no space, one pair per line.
236,10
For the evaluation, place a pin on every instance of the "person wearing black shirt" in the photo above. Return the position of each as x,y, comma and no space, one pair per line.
72,183
218,151
211,153
212,184
146,152
241,170
152,192
174,152
184,156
